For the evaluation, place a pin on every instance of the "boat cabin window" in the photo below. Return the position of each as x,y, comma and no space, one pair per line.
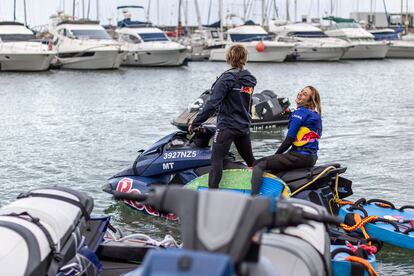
16,37
148,37
308,34
344,26
249,37
91,34
215,34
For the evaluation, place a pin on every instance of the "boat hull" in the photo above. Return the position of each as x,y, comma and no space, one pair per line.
110,59
319,53
367,51
270,54
399,50
25,61
155,58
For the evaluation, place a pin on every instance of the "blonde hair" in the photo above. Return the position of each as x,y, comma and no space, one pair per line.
237,56
315,100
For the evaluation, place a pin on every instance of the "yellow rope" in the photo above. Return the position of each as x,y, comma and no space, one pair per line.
313,180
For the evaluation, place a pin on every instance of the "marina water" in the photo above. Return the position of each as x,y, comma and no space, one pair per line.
76,129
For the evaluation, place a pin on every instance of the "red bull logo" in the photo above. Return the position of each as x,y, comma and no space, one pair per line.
246,89
125,185
304,136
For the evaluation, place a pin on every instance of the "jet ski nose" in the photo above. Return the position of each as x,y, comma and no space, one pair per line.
107,188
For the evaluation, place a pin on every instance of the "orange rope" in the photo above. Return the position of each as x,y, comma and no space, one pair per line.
358,219
342,202
359,224
364,262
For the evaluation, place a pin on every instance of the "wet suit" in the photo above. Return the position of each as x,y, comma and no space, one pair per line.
231,97
305,129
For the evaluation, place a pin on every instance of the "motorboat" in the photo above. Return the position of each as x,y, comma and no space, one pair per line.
258,42
364,45
398,48
84,44
202,41
20,51
146,45
149,46
311,43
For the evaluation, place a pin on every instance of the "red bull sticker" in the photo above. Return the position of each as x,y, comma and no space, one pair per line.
246,89
125,185
304,136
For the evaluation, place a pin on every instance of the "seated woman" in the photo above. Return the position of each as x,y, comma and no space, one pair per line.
305,129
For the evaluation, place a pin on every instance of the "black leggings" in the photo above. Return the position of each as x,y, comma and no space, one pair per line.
221,146
279,162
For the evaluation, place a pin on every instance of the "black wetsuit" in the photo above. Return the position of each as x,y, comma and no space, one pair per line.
231,97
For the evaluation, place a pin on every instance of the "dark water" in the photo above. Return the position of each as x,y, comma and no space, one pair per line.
76,129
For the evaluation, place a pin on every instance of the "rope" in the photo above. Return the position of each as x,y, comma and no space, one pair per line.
313,180
359,224
363,262
358,219
337,199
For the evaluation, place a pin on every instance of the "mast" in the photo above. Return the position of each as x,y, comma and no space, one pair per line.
264,12
158,12
73,9
406,16
97,10
179,26
148,10
83,8
296,10
197,13
221,15
24,10
287,11
14,13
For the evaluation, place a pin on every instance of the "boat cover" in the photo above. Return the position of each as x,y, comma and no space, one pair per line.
41,231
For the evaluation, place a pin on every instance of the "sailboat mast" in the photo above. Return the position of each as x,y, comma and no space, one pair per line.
14,13
148,10
24,10
263,12
97,10
197,13
179,20
287,11
73,9
221,15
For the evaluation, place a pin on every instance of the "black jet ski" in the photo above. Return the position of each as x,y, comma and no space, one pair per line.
226,233
268,110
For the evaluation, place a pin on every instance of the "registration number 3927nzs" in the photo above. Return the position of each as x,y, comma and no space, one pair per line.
180,154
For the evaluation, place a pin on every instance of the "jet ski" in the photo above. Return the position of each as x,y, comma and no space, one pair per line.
226,233
179,158
380,219
268,110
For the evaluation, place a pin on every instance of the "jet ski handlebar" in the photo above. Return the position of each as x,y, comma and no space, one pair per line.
174,199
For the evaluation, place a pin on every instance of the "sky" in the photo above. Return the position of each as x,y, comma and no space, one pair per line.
165,12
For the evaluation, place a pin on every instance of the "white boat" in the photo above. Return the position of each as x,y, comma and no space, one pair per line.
364,45
20,52
398,48
202,41
149,46
311,43
86,45
250,36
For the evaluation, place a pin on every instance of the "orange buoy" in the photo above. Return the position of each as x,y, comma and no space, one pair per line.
260,47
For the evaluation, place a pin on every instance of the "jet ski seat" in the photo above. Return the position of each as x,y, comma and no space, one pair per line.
41,231
298,178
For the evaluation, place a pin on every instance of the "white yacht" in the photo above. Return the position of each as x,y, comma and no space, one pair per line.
20,52
84,44
258,44
202,41
311,43
398,48
364,45
149,46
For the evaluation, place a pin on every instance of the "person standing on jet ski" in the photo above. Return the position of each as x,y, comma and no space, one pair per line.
231,97
304,131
